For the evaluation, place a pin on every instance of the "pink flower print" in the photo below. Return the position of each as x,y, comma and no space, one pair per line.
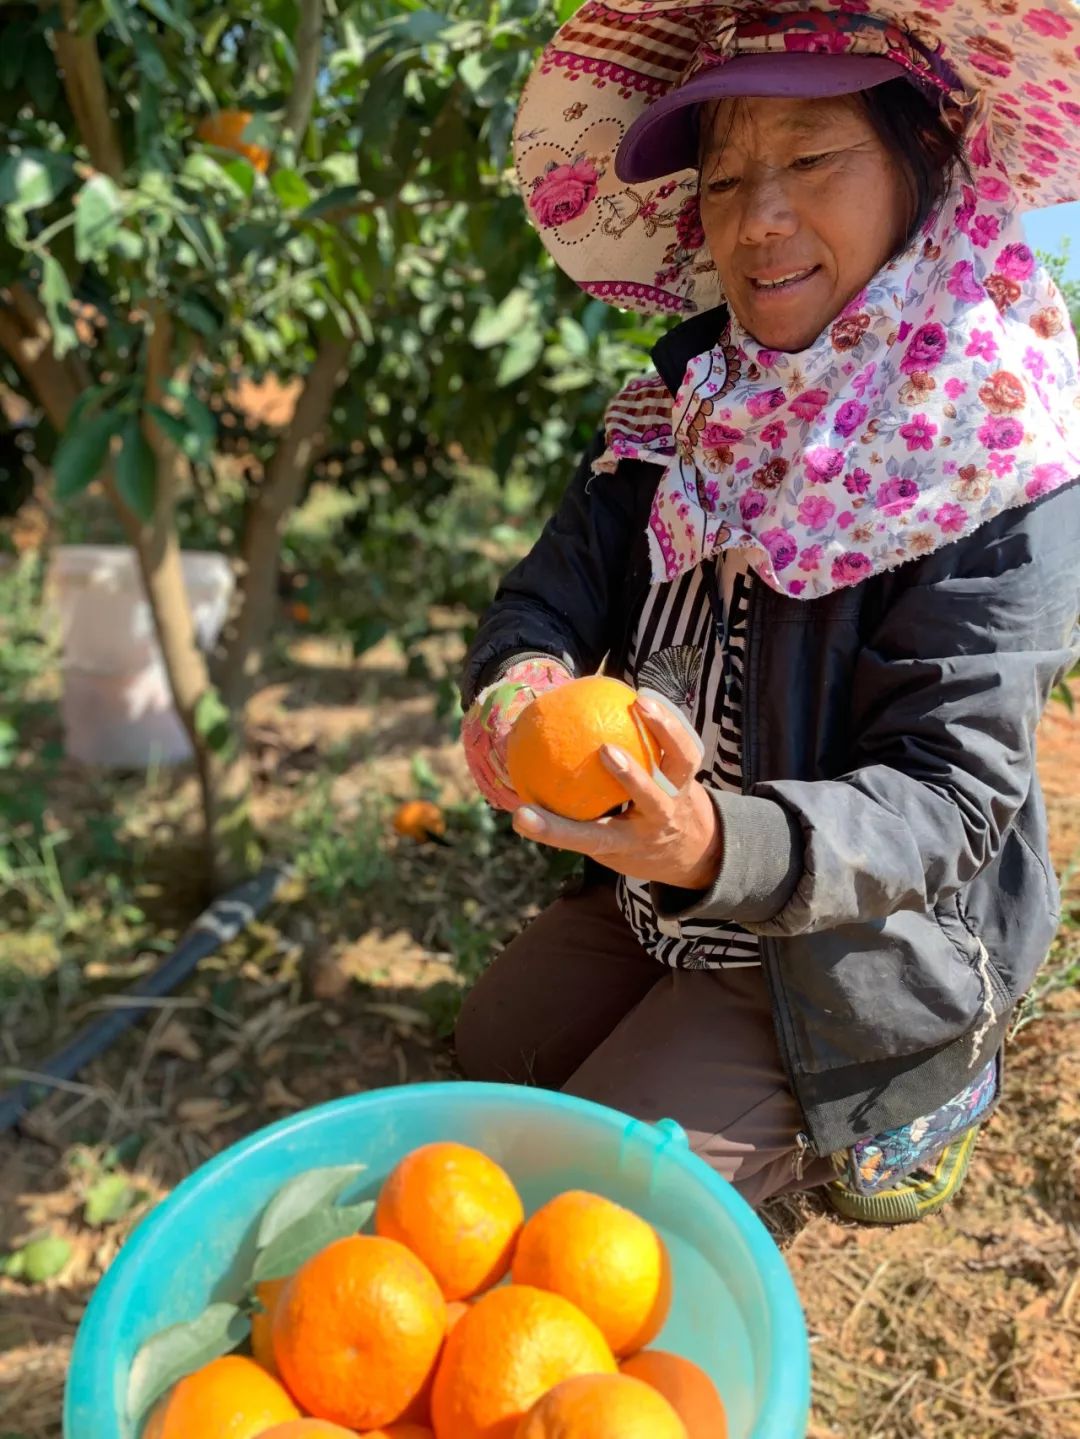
846,520
849,417
982,346
850,569
963,284
1048,22
796,587
1034,363
1016,262
1001,434
764,404
815,512
809,404
984,230
714,436
1045,478
1036,92
688,225
919,433
743,464
751,504
861,383
823,464
563,193
954,388
781,547
1000,463
992,189
951,519
896,495
904,331
768,358
927,348
858,482
810,558
774,434
667,188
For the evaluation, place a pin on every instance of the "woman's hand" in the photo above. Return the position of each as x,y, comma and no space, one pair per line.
663,838
486,728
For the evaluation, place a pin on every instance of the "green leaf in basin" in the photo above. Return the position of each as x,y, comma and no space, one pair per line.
295,1200
180,1350
296,1244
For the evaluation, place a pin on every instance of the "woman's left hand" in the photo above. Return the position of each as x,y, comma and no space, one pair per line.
663,838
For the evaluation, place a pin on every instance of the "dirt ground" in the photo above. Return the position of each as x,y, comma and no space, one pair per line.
966,1326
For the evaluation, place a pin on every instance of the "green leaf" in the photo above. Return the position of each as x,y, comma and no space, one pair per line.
198,316
566,9
421,27
30,179
99,209
39,1260
496,326
83,451
136,470
296,1244
291,189
170,15
203,425
110,1199
308,1191
56,297
180,431
213,721
520,356
179,1350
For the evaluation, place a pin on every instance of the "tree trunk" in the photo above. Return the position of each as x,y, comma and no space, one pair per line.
244,651
84,85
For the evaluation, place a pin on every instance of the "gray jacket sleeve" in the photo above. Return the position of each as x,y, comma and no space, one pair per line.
947,696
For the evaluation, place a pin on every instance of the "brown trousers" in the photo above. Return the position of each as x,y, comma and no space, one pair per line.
575,1003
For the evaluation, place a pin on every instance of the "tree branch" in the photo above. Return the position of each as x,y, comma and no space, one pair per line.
243,654
25,336
84,84
308,55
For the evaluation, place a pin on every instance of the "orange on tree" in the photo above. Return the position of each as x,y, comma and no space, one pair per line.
553,752
514,1345
602,1406
358,1330
229,1398
458,1211
686,1387
225,129
268,1292
420,819
608,1261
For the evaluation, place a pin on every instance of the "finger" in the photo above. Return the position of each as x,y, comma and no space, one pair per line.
682,747
592,837
642,789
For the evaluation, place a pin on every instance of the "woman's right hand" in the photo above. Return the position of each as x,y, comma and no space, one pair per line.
486,728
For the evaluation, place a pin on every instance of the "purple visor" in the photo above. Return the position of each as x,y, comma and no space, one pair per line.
664,139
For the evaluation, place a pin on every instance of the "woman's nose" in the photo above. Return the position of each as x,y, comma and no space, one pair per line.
767,211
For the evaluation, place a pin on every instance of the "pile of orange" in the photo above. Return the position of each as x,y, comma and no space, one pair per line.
460,1319
553,753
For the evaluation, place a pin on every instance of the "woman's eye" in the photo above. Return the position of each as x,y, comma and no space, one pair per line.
810,162
723,186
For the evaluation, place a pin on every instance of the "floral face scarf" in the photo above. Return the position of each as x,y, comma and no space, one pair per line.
946,392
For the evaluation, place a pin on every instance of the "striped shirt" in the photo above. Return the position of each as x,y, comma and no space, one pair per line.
689,644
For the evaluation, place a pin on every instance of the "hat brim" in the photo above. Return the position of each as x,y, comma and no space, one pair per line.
663,139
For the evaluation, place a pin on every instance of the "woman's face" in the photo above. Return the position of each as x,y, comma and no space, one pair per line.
802,204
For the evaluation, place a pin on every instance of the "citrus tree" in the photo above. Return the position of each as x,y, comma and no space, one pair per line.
316,189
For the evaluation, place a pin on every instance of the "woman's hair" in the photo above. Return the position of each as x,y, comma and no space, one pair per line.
928,149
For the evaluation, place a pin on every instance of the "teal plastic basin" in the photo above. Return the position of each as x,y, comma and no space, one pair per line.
736,1311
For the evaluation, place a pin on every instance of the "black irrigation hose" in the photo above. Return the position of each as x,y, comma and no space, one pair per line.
219,924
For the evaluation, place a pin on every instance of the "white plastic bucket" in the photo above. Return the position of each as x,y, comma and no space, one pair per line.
117,708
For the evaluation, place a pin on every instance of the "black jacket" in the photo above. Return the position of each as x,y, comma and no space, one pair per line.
890,844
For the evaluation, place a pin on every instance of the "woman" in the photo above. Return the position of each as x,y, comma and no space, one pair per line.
832,543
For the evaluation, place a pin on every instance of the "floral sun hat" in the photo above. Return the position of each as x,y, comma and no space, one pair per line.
639,244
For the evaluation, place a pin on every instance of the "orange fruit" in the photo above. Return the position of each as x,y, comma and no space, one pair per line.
603,1258
456,1310
688,1389
514,1345
358,1330
458,1211
309,1429
553,753
419,819
230,1398
262,1323
602,1406
400,1431
225,129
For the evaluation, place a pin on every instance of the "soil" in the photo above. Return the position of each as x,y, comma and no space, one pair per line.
966,1326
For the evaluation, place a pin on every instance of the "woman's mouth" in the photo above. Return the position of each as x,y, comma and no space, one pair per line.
782,282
